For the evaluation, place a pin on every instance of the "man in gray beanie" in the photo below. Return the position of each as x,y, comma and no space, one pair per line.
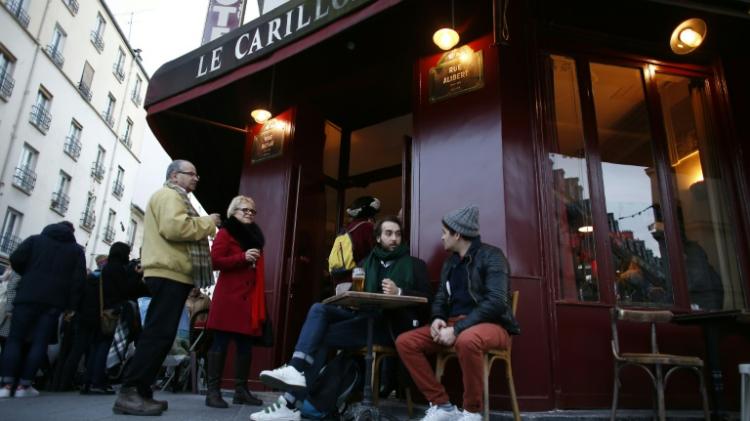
471,311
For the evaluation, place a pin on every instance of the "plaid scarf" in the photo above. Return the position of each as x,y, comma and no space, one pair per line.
200,253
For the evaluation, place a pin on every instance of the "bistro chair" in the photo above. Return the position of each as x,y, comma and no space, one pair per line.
199,344
378,353
490,357
652,360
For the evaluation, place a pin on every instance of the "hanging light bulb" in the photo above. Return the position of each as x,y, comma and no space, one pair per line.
690,37
445,38
260,115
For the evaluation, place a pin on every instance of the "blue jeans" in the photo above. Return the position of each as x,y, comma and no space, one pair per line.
37,322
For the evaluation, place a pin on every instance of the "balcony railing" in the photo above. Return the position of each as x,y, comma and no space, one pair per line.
6,85
72,147
97,171
85,91
8,244
136,97
40,118
55,54
72,6
109,235
117,189
15,7
25,179
118,71
59,202
107,116
96,39
88,219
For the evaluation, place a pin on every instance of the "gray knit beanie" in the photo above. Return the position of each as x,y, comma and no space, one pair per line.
464,221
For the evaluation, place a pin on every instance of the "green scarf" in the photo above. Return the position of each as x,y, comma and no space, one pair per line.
400,271
200,253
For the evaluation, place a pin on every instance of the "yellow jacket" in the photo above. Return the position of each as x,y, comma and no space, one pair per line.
167,231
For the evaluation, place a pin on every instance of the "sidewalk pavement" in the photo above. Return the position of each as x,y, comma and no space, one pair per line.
71,406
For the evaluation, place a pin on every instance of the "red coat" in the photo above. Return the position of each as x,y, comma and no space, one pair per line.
238,303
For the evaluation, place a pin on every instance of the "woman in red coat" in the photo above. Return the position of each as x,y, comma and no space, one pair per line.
238,307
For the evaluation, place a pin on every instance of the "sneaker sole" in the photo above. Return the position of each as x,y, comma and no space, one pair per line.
278,384
278,419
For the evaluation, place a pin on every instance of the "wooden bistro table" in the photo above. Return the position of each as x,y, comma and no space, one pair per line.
715,324
369,303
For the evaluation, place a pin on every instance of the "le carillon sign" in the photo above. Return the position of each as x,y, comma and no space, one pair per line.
289,21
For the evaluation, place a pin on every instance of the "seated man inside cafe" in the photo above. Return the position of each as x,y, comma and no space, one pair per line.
471,311
389,269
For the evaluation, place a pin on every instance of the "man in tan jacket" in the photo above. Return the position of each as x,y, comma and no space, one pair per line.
175,259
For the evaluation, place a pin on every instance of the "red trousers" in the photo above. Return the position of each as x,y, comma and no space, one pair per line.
471,345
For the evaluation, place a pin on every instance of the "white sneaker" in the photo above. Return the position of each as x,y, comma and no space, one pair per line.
26,392
5,392
276,411
470,416
434,413
285,378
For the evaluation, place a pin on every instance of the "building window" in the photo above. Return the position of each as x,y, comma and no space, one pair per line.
55,47
641,216
40,115
88,217
72,145
24,177
97,35
126,136
109,112
132,228
6,73
119,67
109,230
9,238
97,168
17,8
72,6
136,95
60,198
119,185
87,78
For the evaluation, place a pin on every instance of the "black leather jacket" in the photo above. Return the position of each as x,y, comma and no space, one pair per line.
489,288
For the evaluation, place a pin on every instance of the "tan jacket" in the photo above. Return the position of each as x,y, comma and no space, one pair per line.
166,233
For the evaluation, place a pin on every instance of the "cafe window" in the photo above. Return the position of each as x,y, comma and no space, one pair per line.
627,197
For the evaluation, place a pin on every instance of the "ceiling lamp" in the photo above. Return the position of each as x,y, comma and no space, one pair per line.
261,115
688,36
446,38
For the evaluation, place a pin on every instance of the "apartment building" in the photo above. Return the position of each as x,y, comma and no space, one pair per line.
71,123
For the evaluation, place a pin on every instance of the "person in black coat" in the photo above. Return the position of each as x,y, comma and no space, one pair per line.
52,268
119,282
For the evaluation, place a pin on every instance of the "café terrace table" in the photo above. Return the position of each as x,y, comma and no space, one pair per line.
715,324
369,303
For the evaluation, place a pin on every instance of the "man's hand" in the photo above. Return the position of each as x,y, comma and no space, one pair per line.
216,218
446,336
252,255
389,287
68,315
437,324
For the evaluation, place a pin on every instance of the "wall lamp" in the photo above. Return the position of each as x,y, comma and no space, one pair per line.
447,38
688,36
261,115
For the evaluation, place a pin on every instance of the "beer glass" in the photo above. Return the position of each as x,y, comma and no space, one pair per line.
358,279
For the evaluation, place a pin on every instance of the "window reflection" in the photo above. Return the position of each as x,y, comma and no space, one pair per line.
632,197
571,201
711,266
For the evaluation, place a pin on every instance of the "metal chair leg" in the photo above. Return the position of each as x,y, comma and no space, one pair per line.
615,393
704,395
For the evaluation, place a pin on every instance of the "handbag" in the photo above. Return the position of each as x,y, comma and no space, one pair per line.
108,318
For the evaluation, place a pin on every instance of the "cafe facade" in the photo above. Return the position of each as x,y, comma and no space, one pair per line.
608,156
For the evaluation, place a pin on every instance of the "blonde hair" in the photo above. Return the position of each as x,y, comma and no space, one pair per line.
235,203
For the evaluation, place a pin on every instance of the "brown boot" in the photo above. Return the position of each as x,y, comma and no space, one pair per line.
242,396
129,402
213,378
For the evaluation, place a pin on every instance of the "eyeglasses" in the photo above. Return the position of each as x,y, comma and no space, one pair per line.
248,211
190,174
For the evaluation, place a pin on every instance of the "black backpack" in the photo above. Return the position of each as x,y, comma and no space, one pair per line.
329,392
